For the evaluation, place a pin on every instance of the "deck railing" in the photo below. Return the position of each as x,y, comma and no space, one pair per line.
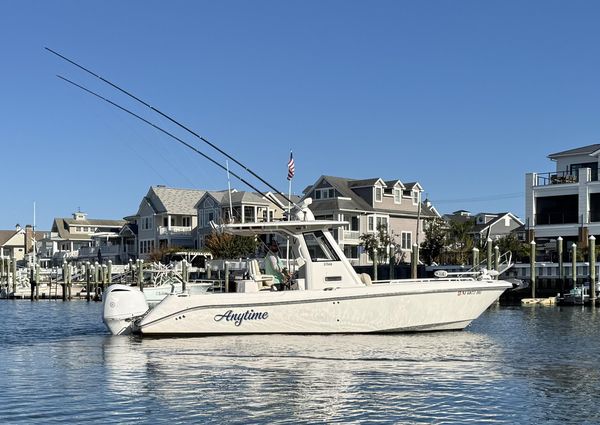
557,177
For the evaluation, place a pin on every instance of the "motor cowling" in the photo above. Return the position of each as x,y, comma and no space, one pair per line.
122,305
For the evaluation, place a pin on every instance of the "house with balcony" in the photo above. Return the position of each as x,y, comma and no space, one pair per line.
167,217
564,202
367,204
70,237
238,207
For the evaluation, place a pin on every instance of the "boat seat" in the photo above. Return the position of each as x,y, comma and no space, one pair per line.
265,281
365,278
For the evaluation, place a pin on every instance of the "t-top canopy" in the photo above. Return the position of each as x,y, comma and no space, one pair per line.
290,227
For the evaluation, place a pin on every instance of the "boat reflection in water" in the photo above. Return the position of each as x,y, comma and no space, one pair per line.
309,378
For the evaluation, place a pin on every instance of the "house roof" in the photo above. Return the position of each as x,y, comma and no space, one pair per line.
584,150
354,202
6,235
174,201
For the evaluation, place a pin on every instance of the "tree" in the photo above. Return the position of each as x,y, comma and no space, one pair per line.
158,254
519,250
460,239
377,243
435,241
224,245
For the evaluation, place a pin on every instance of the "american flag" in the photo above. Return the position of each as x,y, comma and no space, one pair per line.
291,167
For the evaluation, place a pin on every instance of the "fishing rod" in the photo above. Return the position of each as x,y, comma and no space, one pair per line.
167,133
173,121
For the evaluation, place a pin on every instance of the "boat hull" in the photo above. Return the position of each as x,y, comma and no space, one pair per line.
407,307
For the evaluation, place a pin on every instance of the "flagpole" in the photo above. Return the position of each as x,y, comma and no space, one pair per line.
290,177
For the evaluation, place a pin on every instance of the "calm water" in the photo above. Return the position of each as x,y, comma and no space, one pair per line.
513,365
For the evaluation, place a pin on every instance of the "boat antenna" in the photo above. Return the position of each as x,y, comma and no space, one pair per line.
172,120
163,131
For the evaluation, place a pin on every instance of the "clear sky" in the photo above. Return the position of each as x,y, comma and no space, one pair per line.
463,96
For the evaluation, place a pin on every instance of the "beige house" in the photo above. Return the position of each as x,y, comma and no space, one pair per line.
367,204
17,243
74,238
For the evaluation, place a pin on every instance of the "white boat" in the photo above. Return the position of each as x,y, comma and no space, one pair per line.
327,296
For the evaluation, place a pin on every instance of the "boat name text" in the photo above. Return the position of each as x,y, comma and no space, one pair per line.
470,292
238,318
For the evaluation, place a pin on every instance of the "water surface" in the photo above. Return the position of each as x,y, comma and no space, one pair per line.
512,365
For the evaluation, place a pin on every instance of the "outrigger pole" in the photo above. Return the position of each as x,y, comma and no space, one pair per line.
174,122
165,132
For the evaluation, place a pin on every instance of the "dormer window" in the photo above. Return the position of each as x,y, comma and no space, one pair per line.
397,196
378,193
415,197
325,193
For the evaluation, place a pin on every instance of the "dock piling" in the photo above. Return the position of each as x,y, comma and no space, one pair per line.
532,266
489,254
592,253
561,265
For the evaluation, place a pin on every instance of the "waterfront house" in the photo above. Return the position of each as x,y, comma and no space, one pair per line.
166,218
19,242
367,204
487,225
564,202
73,238
239,207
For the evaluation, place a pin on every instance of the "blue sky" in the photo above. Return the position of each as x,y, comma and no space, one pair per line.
463,96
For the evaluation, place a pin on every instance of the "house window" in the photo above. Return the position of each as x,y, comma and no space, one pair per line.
187,221
324,193
209,216
415,196
378,193
406,240
370,223
382,222
397,196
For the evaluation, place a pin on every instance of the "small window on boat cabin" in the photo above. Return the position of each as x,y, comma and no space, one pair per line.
378,193
319,247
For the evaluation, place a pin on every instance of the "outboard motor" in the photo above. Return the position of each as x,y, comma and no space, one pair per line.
122,305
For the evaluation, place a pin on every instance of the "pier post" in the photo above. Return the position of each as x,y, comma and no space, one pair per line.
6,266
31,282
184,275
208,270
392,261
497,258
489,254
131,270
414,261
475,257
37,282
561,265
14,277
69,282
64,278
109,272
226,276
88,277
574,265
532,267
592,250
140,274
97,269
375,264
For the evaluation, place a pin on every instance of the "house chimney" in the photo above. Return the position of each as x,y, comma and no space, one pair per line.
28,238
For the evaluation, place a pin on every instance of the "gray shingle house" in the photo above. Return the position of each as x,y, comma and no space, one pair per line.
368,203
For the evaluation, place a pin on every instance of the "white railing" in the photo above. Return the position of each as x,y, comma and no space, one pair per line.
175,230
350,235
88,251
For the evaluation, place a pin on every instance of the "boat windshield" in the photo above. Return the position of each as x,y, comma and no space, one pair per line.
319,247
